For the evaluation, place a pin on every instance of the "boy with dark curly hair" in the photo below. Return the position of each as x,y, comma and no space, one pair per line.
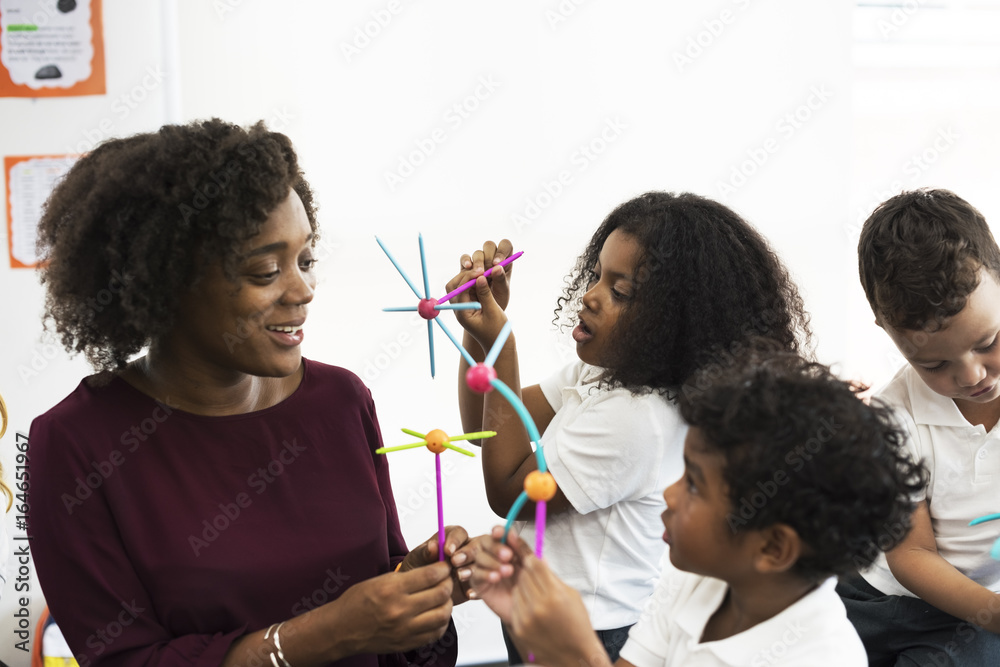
931,271
789,479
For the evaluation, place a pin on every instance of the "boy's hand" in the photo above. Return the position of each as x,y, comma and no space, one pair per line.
456,540
548,617
492,576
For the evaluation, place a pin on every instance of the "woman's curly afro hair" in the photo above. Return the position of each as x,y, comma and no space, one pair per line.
803,450
706,283
135,222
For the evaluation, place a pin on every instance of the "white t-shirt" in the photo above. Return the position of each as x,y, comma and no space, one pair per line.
964,462
612,454
813,632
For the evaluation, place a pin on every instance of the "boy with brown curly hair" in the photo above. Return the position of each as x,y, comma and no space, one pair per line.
931,271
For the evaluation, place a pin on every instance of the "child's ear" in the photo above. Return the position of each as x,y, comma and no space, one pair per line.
779,549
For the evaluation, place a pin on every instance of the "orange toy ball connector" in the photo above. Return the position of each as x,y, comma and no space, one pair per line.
540,485
435,440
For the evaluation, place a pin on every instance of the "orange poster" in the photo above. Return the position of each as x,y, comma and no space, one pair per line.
30,180
51,48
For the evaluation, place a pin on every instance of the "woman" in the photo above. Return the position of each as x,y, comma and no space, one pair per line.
216,501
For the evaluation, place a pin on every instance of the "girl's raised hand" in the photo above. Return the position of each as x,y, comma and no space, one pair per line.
483,325
483,260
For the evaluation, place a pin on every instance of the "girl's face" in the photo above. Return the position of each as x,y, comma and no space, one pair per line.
253,325
607,298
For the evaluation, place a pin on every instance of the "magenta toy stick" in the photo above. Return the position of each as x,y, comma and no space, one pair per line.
464,286
437,463
539,527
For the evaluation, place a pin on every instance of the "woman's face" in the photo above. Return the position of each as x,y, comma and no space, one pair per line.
253,325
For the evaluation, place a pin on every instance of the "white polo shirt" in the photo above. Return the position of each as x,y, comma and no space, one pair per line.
812,632
612,454
964,462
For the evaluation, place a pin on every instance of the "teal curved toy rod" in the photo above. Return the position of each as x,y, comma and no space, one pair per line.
995,551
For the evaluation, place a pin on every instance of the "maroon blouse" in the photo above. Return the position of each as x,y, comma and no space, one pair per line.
160,536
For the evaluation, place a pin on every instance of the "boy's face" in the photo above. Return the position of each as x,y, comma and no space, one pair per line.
960,361
697,516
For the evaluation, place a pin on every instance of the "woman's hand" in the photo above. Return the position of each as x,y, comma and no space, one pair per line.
394,612
456,546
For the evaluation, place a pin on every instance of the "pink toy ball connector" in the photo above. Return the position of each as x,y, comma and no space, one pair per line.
480,378
426,309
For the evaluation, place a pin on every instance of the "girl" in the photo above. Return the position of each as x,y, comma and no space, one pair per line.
668,283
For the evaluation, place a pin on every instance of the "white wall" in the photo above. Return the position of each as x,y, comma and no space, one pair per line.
559,73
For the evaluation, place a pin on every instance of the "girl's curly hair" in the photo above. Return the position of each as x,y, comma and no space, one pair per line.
135,222
706,283
802,450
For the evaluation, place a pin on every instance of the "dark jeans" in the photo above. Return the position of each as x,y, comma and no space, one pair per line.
613,641
903,631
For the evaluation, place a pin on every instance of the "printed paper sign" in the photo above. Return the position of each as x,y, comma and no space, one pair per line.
30,181
51,48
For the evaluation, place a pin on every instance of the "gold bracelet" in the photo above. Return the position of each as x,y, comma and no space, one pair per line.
277,645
